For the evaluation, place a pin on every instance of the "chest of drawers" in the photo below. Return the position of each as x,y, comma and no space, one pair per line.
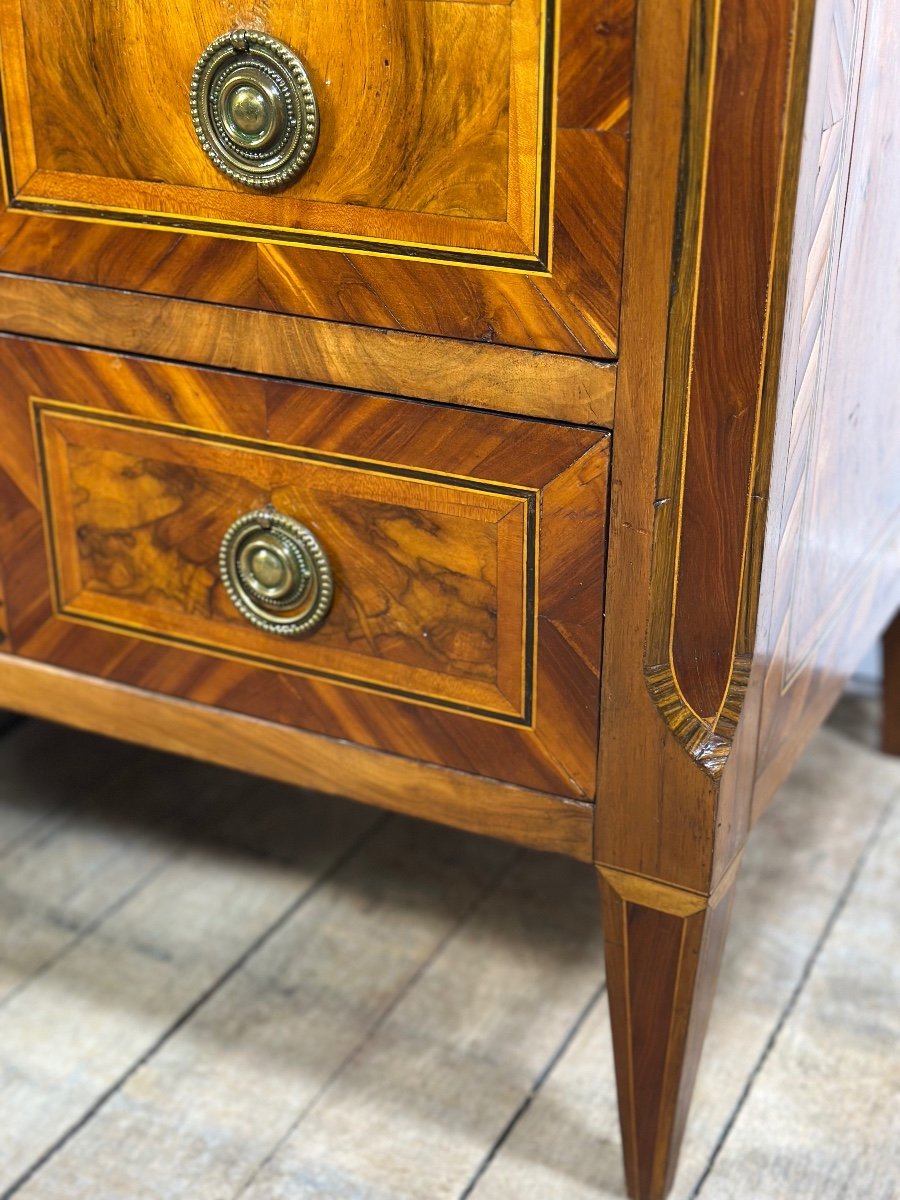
486,410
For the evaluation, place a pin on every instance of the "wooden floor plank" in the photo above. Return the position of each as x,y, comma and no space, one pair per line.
189,907
823,1116
84,837
378,1044
566,1147
45,773
199,1118
434,1088
63,862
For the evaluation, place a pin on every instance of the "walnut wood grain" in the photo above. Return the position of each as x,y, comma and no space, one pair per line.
421,603
461,172
596,65
753,539
731,319
807,599
293,756
466,628
662,808
4,634
653,801
555,386
468,169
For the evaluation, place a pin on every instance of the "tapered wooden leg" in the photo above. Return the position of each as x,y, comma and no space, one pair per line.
663,949
890,730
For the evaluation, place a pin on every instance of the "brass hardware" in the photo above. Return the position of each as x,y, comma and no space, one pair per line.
254,109
276,573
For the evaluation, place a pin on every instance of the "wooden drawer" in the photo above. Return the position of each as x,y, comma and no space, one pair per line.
467,552
439,143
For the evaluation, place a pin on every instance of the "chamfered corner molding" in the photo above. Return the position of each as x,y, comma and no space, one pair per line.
717,421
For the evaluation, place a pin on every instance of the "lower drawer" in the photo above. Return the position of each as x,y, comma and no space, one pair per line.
414,578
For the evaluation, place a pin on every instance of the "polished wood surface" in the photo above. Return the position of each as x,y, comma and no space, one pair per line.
555,386
723,335
520,218
430,116
681,812
663,951
726,284
4,624
429,599
708,228
663,806
276,751
753,508
466,625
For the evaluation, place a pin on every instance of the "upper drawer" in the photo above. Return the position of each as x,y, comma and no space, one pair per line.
437,143
148,534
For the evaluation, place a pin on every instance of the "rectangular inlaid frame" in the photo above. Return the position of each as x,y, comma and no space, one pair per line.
44,193
65,609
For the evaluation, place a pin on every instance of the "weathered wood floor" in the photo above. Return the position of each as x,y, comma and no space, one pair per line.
218,989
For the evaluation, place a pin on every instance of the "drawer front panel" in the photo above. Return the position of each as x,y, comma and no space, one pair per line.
425,565
431,117
438,144
466,552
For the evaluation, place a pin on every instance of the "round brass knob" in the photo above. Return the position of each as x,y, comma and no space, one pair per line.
276,573
251,110
254,109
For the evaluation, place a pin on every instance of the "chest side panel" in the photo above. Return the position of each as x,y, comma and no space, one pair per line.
837,563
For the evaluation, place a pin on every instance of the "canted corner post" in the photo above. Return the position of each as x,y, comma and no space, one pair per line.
663,950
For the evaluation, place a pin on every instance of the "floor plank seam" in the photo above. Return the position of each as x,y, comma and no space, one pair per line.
86,931
784,1017
241,961
533,1092
347,1061
69,814
58,814
407,1090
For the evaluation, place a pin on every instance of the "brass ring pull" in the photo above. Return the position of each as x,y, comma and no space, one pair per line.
276,573
254,109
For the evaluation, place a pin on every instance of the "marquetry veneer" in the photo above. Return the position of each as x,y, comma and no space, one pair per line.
492,135
608,490
467,551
